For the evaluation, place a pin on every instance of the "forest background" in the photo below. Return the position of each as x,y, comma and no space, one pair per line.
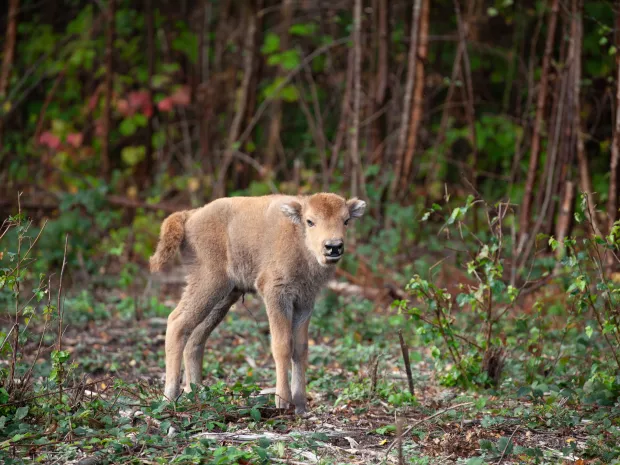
485,137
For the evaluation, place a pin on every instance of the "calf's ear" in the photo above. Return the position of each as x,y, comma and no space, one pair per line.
356,207
292,210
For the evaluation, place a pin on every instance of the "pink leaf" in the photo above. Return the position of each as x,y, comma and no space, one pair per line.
165,104
138,99
75,139
49,140
181,96
123,107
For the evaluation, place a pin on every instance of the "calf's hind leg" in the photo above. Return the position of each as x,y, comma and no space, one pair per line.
193,354
205,289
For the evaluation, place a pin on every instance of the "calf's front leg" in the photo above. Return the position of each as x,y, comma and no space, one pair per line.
300,361
280,327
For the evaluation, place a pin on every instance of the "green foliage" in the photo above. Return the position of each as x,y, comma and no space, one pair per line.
485,301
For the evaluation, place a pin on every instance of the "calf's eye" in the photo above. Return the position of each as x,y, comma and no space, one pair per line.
346,222
310,223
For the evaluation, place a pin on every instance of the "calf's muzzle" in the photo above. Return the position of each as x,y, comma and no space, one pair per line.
333,249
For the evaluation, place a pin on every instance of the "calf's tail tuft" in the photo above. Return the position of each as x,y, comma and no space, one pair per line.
170,238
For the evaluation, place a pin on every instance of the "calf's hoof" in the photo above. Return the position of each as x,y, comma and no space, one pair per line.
171,393
281,403
188,388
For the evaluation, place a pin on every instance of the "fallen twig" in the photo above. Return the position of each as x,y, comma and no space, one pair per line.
419,422
248,437
508,445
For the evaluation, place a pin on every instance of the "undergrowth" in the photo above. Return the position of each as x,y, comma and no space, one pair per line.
81,369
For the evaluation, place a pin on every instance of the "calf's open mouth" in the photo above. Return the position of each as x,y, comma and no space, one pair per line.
333,258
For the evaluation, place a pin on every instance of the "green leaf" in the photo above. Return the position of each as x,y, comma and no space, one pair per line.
159,80
250,146
140,120
21,413
60,356
133,155
589,332
456,214
289,59
303,29
255,414
386,429
271,44
274,59
505,444
187,43
553,243
289,93
127,127
159,139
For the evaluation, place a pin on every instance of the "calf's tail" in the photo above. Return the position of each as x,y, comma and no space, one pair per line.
170,238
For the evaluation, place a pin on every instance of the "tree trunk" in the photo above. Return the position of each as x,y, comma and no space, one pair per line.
556,170
356,175
205,92
418,96
379,125
273,137
406,113
8,54
344,117
221,35
235,128
431,175
109,77
254,82
612,201
463,31
145,169
565,216
524,221
585,180
560,137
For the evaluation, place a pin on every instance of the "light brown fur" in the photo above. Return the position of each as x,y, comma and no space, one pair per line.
246,244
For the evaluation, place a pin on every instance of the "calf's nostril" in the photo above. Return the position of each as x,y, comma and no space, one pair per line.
334,248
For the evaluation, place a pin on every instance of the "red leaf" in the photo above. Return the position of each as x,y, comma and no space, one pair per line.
75,139
166,104
50,140
123,107
138,99
181,96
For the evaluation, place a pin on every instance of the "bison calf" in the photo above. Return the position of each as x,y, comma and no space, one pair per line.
282,247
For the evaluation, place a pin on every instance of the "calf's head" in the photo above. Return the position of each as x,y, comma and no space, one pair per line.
323,219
